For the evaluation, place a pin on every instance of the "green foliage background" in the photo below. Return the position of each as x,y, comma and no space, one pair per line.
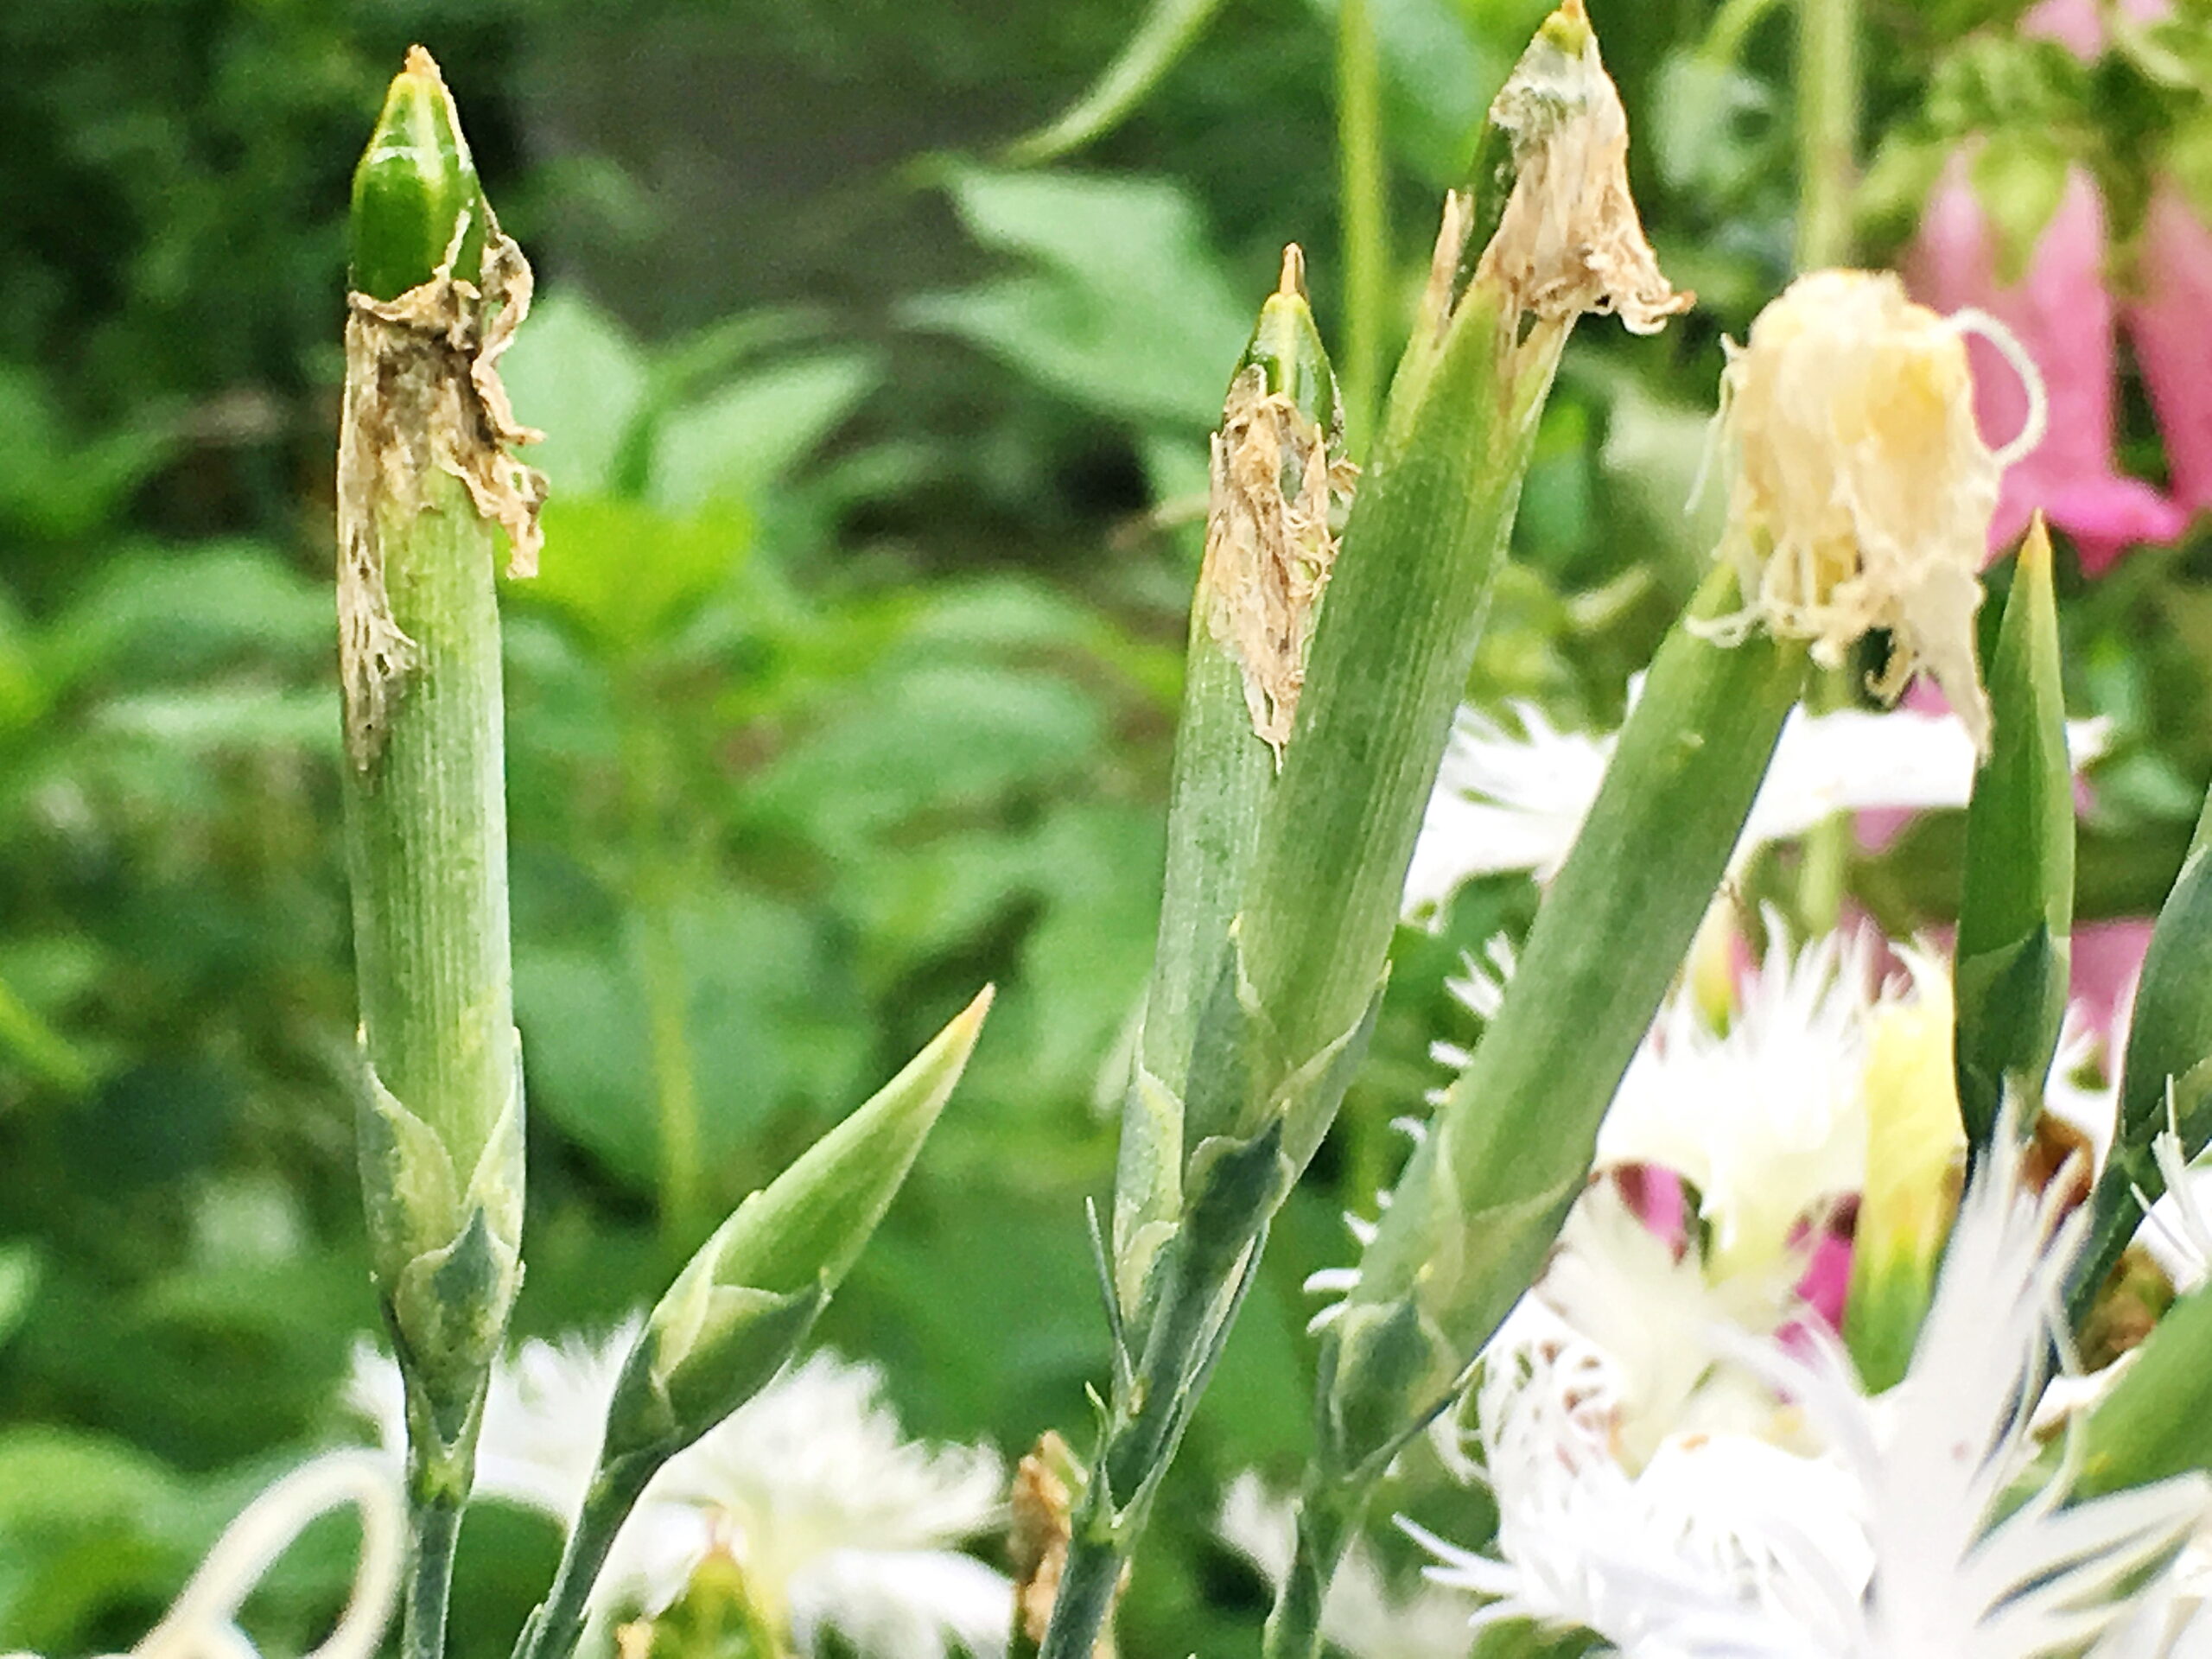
848,683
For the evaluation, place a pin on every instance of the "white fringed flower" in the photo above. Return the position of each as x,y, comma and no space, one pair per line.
1767,1120
836,1520
1363,1617
1512,797
1650,1310
1893,1544
1935,1458
1666,1563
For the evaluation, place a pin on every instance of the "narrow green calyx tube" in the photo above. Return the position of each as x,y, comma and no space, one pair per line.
426,492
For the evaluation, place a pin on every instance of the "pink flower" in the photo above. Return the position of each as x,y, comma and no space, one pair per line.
2061,313
2173,337
2079,25
2108,961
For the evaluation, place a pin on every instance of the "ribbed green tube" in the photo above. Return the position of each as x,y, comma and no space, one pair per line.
427,495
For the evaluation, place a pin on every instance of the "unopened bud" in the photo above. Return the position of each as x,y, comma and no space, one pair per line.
1915,1161
416,202
747,1299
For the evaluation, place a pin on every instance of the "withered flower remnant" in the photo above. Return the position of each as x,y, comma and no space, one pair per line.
1862,489
1569,240
1280,485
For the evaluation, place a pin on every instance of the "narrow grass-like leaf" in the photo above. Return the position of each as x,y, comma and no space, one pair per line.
1168,30
2167,1072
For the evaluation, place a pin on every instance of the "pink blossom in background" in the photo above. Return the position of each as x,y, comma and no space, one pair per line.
2171,327
2061,314
2107,959
2078,25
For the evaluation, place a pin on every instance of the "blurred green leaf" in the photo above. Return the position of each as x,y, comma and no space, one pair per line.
770,1021
627,573
20,1268
575,375
744,439
1128,310
152,616
53,484
942,737
1714,126
203,720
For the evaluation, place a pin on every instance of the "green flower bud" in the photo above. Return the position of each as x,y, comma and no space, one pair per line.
416,202
744,1303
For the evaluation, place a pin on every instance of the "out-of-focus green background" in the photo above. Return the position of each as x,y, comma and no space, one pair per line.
877,469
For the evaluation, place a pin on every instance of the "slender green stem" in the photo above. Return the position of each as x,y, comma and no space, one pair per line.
1197,1308
1828,96
433,1524
1362,181
1328,1517
558,1624
663,979
1731,27
1825,873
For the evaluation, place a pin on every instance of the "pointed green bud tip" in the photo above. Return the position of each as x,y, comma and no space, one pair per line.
1286,349
1567,29
417,201
807,1227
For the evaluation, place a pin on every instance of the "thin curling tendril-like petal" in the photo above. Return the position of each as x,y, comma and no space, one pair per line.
202,1623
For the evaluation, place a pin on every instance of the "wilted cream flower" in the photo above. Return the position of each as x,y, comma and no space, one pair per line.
1569,240
1863,489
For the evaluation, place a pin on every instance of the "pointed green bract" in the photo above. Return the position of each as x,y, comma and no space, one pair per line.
2016,913
744,1303
2153,1424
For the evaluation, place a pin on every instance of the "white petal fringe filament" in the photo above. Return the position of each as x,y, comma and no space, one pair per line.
202,1624
1894,1542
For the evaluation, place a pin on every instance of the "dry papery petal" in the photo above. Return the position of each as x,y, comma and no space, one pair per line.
1570,240
1277,478
423,397
1862,489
